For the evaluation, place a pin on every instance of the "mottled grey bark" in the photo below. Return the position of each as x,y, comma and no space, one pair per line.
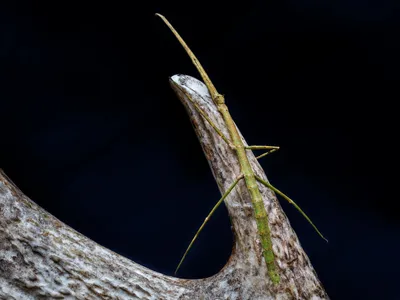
42,258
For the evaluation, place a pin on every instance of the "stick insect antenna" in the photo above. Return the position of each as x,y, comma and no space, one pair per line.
217,97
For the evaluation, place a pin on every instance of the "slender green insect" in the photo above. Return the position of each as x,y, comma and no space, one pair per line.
247,173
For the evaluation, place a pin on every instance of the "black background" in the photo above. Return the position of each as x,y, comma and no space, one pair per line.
92,132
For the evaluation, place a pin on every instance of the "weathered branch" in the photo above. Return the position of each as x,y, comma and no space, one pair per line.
41,257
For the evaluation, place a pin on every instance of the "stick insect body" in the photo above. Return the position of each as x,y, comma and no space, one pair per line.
247,173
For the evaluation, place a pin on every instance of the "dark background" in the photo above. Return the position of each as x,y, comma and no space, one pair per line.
92,132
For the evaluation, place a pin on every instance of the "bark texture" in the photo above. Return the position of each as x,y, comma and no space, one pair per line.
42,258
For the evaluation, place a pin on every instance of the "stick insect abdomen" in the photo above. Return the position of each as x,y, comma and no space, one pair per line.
260,214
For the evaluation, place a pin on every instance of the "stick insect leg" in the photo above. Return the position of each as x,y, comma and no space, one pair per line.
270,148
207,218
266,153
268,185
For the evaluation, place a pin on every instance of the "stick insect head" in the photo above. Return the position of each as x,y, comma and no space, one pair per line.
196,98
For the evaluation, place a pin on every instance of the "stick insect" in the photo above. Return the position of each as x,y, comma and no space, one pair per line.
247,173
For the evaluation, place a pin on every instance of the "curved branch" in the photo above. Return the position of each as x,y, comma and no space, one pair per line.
41,257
